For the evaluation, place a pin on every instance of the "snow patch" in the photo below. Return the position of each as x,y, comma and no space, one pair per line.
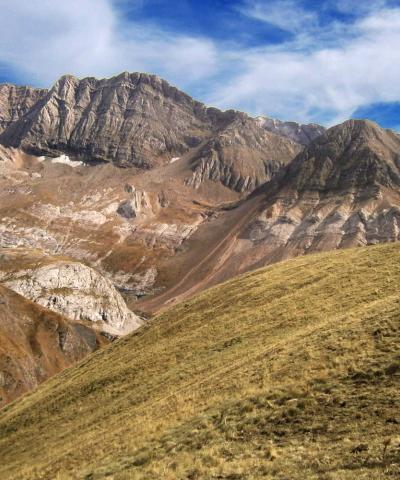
175,159
67,161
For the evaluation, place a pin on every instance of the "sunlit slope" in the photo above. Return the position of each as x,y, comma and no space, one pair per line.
290,372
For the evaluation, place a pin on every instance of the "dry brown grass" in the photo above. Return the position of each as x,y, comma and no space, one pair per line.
290,372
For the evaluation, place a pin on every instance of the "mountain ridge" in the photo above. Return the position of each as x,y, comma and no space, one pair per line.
315,203
188,121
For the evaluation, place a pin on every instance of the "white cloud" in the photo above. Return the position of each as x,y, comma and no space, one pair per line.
43,39
314,81
357,7
287,15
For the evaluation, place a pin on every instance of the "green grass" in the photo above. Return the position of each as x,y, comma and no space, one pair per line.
289,372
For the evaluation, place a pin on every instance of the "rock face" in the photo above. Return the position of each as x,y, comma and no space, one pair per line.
132,119
242,156
15,102
138,204
36,343
300,133
142,121
70,288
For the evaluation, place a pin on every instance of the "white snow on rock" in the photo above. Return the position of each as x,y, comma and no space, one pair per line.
67,161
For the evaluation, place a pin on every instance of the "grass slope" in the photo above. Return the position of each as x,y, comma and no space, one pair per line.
289,372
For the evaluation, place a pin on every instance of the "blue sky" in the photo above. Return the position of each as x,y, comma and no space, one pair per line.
309,61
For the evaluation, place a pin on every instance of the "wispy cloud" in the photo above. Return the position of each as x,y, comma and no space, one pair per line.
287,15
357,7
43,39
318,78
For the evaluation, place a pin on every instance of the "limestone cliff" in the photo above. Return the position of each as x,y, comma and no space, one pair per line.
76,291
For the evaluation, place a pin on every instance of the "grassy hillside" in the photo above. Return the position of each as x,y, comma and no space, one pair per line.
290,372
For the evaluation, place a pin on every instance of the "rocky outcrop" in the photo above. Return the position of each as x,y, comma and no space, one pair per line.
76,291
15,102
242,156
326,223
36,343
300,133
139,203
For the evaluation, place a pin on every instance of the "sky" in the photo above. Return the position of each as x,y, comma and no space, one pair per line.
303,60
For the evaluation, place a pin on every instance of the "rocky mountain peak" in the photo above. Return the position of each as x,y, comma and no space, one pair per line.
357,131
354,154
131,119
140,120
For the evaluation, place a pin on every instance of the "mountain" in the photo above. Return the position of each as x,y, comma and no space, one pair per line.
163,234
354,155
291,371
132,119
123,198
342,191
36,343
203,195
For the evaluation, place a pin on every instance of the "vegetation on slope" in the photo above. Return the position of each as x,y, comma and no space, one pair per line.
289,372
